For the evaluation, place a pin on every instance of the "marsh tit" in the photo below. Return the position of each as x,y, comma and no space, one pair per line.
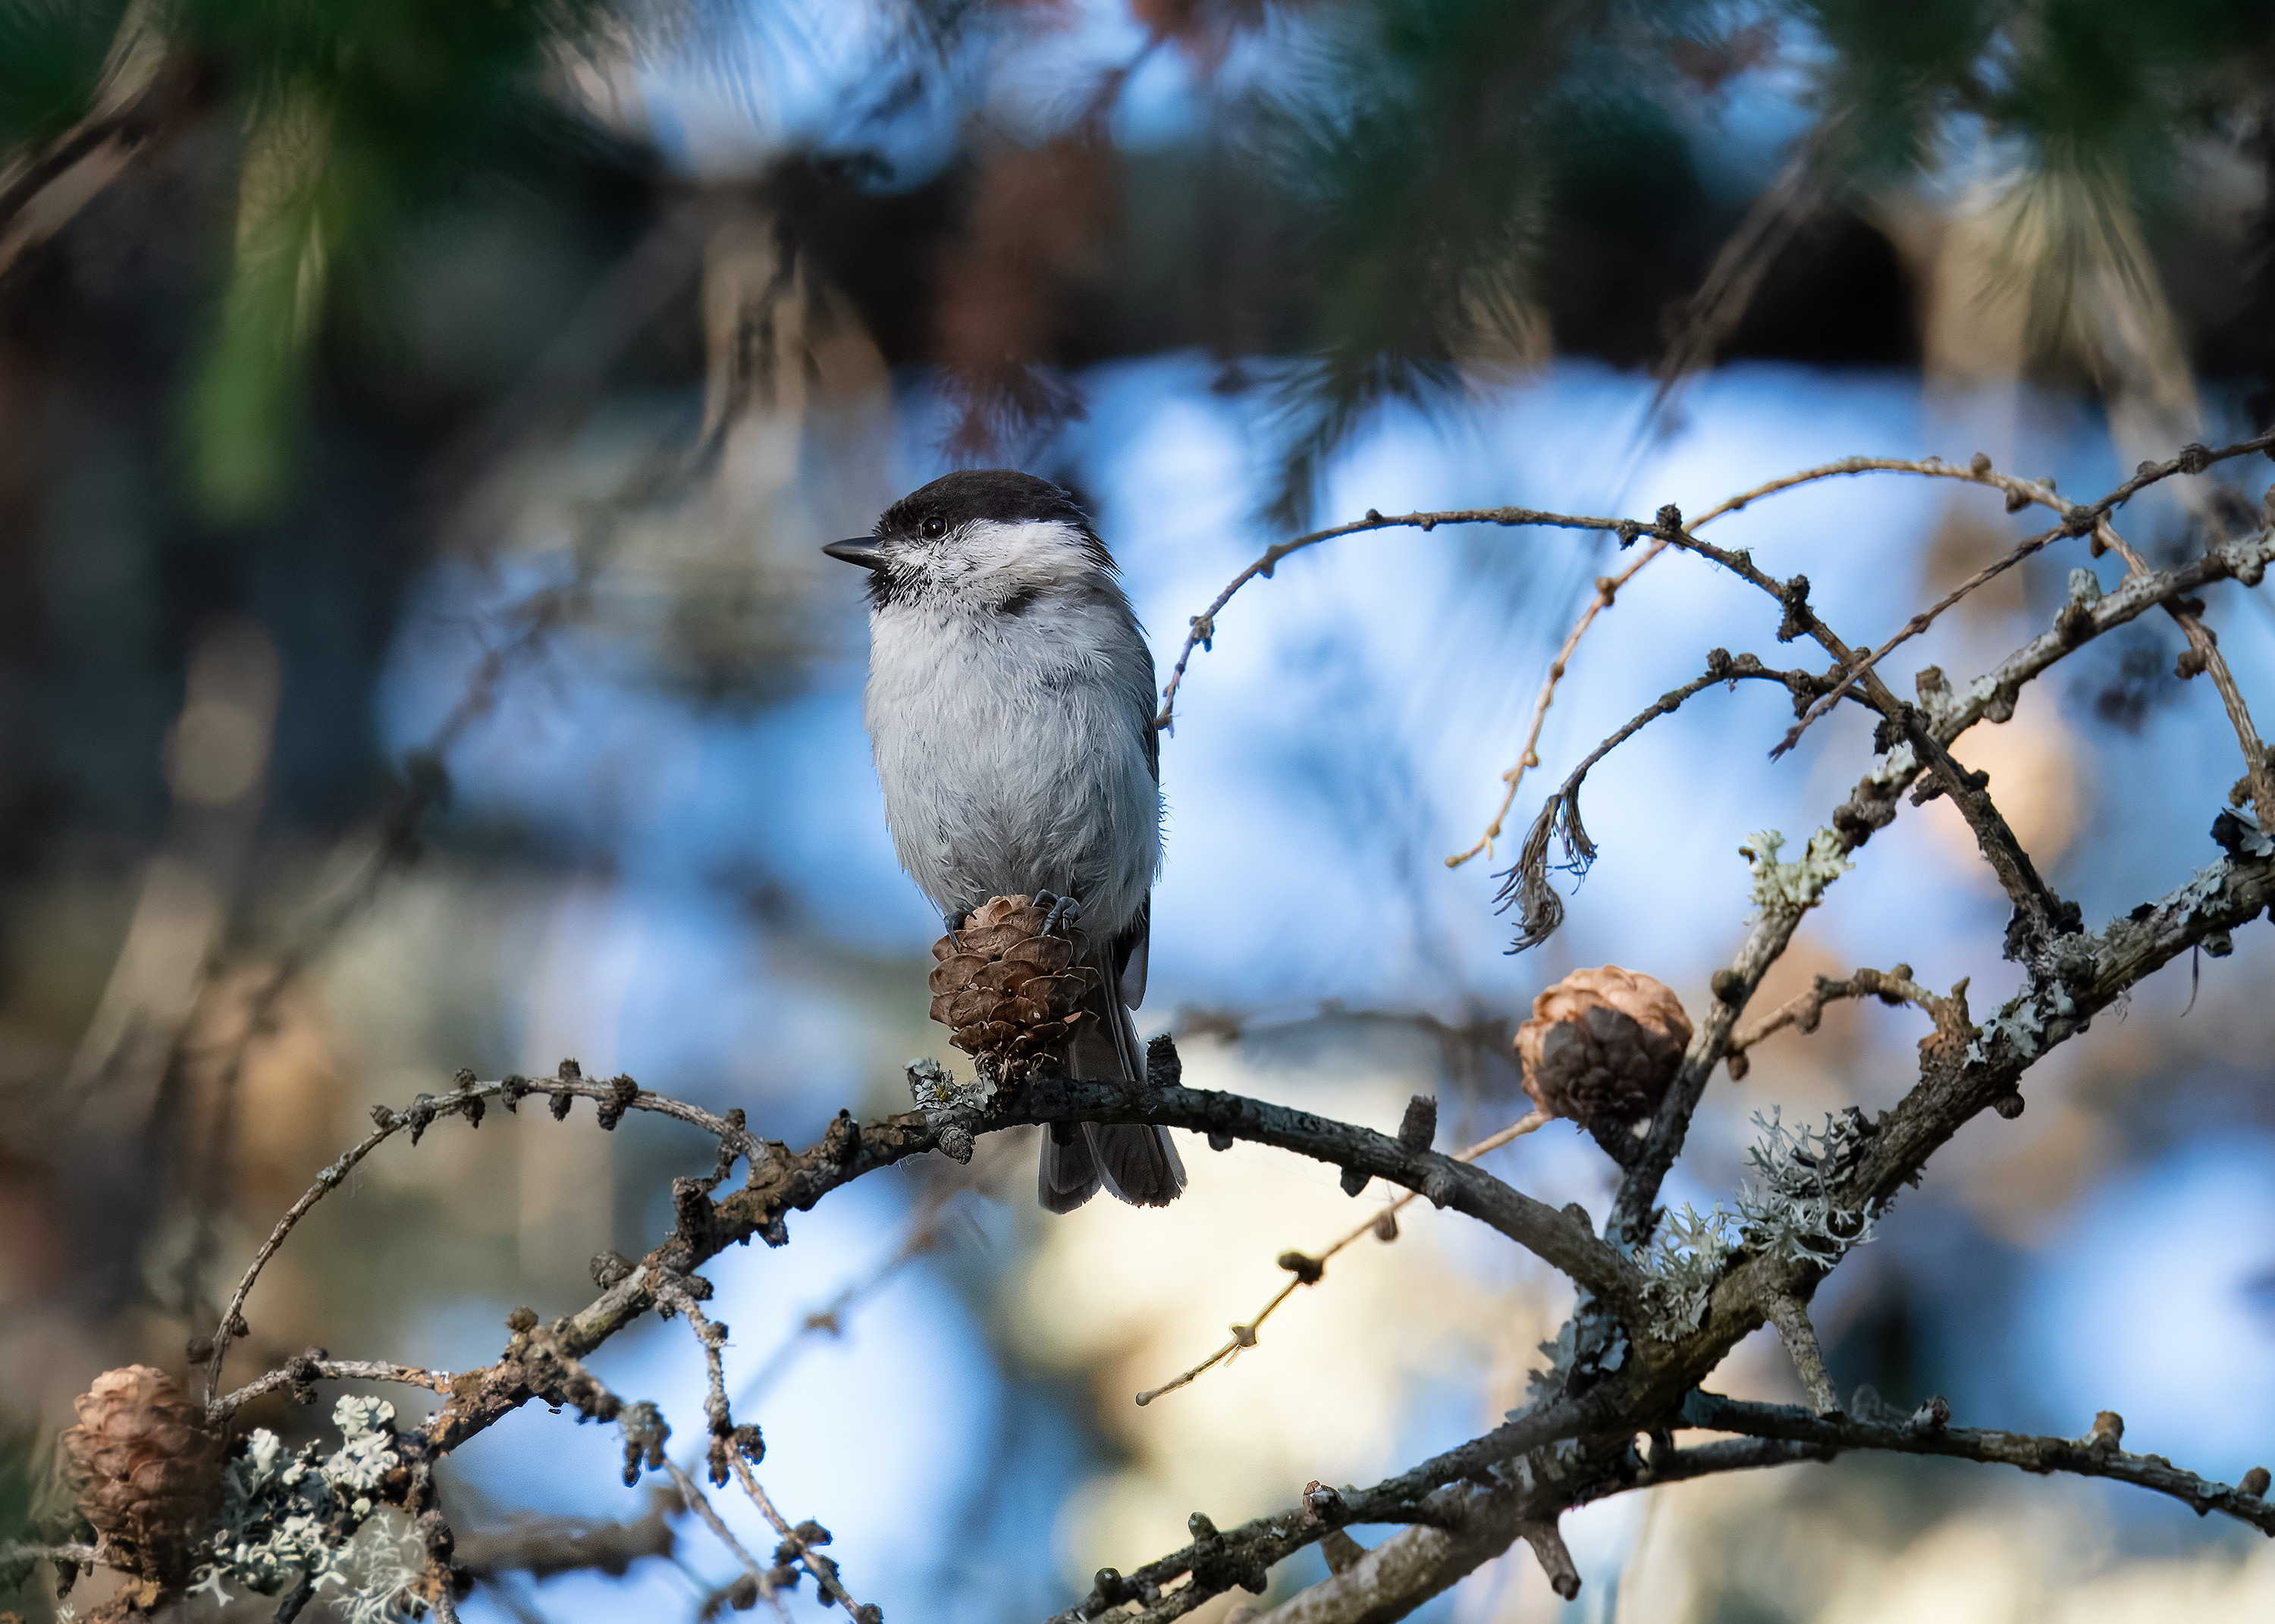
1010,708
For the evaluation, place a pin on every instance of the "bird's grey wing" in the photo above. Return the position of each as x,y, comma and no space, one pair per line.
1129,954
1131,950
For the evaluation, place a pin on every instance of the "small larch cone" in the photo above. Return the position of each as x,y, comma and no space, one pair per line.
1008,992
149,1469
1602,1046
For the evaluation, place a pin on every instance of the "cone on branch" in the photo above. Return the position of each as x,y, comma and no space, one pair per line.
1007,991
148,1470
1602,1046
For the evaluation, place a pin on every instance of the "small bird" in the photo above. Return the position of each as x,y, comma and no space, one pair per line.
1011,709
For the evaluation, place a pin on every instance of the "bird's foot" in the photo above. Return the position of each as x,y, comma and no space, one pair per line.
1063,911
953,923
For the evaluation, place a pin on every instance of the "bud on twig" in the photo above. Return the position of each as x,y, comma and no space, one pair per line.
1420,1126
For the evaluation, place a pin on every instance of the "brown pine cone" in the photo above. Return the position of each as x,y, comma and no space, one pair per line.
1603,1045
1008,992
148,1467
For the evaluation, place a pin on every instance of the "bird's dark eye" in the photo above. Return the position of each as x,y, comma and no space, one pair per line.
933,528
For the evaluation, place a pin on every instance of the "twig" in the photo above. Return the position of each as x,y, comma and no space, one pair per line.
1805,1010
1993,694
1554,1556
328,1369
1308,1269
1525,883
1203,632
232,1316
798,1541
920,1237
2093,1456
468,1101
1790,1316
559,1545
728,1453
2047,915
2258,765
691,1496
1528,756
2078,521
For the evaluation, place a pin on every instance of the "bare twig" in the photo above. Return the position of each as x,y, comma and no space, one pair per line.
544,1547
304,1370
1203,632
693,1497
1528,755
1790,1316
781,1182
798,1543
2086,1457
2203,648
1525,883
2078,521
1805,1010
920,1235
1308,1269
468,1100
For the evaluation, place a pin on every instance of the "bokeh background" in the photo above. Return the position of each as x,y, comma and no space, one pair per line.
418,423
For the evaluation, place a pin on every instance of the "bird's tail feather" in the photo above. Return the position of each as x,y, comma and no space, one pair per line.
1136,1162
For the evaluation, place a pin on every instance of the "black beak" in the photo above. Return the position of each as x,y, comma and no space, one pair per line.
861,550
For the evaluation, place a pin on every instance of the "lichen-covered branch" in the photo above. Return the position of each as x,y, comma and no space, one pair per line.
542,1360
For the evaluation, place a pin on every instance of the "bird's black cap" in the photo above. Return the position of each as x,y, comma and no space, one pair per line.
998,495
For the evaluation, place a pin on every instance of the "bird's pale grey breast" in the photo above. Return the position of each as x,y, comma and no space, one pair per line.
1015,753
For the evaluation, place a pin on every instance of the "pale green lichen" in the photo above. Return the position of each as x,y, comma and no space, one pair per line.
1680,1269
934,1088
1793,888
1895,767
311,1512
2019,1026
1790,1208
